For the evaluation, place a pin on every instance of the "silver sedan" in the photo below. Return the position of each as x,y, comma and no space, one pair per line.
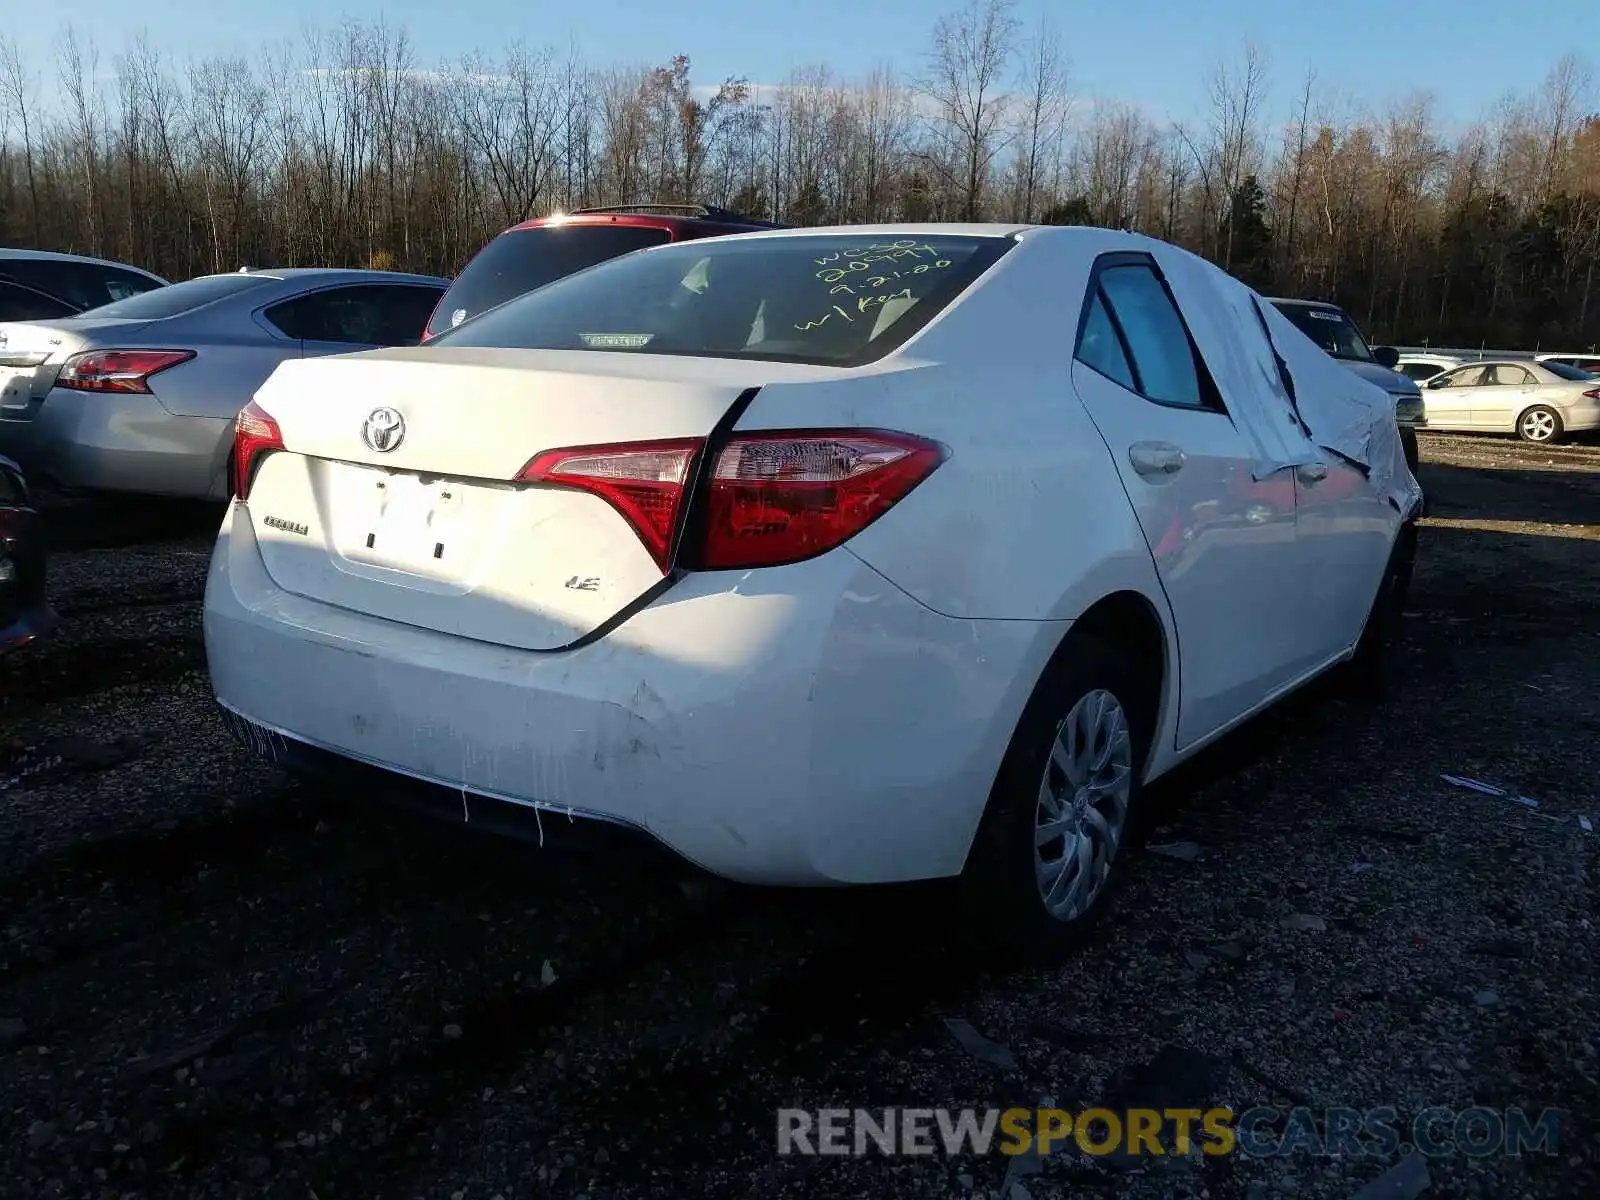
141,395
1538,401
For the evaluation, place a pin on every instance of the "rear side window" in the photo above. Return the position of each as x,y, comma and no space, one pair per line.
1154,338
829,299
361,314
18,303
178,298
1419,370
522,260
86,285
1507,375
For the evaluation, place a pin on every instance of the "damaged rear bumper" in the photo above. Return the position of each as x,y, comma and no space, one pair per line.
564,829
800,725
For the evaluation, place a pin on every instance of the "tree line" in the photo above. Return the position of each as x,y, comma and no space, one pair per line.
349,149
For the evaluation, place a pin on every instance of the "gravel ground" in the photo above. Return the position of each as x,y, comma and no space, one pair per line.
213,983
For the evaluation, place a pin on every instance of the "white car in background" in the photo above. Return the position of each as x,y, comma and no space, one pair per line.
1538,401
1422,367
1584,362
823,556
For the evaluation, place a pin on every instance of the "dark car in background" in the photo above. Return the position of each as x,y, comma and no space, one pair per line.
534,253
1330,327
24,615
41,285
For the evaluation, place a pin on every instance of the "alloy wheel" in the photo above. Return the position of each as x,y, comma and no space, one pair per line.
1538,425
1082,811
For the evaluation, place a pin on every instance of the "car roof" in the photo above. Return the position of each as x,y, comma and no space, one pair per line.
330,275
929,229
57,256
676,217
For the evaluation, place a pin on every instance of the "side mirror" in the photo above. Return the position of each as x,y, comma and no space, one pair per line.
1387,356
1438,381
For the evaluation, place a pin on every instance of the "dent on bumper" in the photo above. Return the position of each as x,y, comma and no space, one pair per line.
802,725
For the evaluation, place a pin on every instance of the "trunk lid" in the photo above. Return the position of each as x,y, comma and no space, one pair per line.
31,354
434,531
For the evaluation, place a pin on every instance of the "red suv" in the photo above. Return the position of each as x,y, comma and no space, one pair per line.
540,251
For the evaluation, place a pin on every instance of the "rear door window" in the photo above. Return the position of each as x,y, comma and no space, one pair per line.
1157,342
87,285
360,314
18,303
1506,375
522,260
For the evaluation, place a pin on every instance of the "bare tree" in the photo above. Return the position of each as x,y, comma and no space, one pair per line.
345,149
1045,109
1291,175
17,89
966,71
1237,96
1564,92
76,63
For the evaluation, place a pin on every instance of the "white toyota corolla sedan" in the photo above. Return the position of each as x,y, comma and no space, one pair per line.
828,556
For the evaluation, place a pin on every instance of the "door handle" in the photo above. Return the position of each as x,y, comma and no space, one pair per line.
1158,459
1311,473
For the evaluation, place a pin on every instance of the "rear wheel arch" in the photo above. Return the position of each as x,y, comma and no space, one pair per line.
1128,623
1118,648
1555,425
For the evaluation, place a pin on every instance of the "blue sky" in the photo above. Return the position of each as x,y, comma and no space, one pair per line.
1153,53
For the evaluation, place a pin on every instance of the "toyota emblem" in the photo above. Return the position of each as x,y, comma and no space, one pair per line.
383,430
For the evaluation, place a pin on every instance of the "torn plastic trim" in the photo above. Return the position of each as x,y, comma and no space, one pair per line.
571,812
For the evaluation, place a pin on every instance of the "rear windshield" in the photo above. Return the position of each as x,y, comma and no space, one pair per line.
1564,371
521,260
839,300
1330,329
178,298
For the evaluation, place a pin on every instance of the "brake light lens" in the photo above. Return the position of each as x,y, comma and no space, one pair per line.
644,481
773,498
255,435
1593,393
121,371
789,495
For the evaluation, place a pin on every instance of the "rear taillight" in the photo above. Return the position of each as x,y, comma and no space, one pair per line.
255,434
121,371
785,496
644,481
1593,393
773,498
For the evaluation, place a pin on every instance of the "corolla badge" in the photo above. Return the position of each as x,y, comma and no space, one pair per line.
383,430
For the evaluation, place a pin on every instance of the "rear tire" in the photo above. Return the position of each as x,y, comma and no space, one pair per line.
1540,425
1070,779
